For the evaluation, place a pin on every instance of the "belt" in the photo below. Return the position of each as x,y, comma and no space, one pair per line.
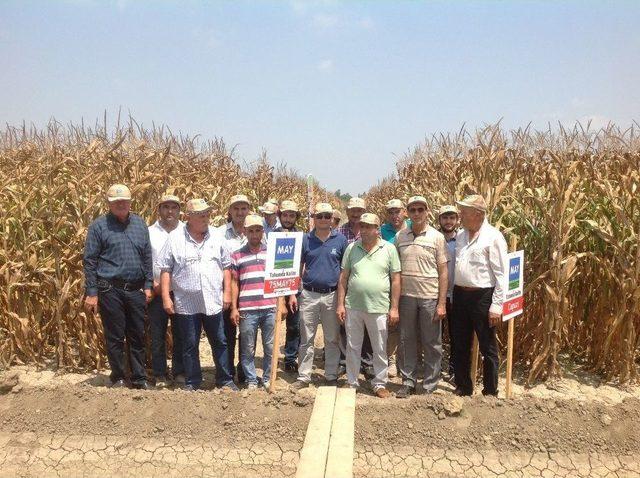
472,289
320,290
124,285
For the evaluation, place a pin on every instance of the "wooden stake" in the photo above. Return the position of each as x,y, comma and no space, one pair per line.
281,311
475,352
510,332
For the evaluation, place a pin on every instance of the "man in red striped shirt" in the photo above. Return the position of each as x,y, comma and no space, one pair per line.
250,309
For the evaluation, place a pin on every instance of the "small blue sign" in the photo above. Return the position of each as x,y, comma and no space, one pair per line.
285,249
514,273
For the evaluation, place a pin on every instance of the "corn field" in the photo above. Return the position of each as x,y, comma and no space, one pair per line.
570,198
53,185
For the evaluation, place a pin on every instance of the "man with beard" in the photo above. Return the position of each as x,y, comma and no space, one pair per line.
448,220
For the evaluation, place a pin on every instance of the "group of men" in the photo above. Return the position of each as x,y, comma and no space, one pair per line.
380,291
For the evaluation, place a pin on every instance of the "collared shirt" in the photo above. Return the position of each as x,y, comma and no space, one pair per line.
451,265
277,227
233,239
388,232
117,250
347,232
322,259
197,271
482,262
158,236
248,268
421,254
370,272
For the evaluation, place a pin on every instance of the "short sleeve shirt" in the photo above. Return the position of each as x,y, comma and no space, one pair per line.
420,255
322,259
369,285
248,268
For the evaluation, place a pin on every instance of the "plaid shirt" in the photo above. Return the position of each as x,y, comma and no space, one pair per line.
117,250
347,232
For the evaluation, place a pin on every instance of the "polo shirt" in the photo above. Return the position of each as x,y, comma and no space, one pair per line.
322,259
370,272
388,233
249,268
420,255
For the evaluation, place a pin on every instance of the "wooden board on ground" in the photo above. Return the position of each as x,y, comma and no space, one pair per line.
313,456
340,457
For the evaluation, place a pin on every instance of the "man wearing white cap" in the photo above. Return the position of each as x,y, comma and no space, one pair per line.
480,267
368,294
424,258
269,212
118,271
395,220
234,234
168,212
194,264
322,251
448,220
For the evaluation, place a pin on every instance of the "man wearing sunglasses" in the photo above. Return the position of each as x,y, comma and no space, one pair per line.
322,251
424,257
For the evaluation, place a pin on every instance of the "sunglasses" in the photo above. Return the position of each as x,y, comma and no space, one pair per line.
416,209
324,216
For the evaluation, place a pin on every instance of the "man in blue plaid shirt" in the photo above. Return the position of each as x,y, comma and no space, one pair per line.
118,280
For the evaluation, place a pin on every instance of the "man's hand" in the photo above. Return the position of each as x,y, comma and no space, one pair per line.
157,291
148,295
393,316
167,304
293,304
235,316
441,312
91,304
341,313
226,300
494,319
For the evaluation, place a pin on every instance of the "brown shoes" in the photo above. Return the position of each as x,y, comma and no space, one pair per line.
382,392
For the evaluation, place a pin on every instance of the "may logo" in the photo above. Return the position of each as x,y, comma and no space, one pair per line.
285,248
514,273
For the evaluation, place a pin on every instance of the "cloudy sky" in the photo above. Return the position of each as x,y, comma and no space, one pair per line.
335,89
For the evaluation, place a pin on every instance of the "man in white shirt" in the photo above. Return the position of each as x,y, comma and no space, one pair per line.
168,220
195,265
480,267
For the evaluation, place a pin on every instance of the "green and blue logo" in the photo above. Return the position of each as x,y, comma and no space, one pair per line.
514,273
285,248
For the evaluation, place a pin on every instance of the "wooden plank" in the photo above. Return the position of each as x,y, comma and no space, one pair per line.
475,352
340,457
281,313
509,356
313,456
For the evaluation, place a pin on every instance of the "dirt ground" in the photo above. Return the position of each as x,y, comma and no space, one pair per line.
65,424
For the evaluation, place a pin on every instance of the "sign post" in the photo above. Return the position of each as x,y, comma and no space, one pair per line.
513,304
282,278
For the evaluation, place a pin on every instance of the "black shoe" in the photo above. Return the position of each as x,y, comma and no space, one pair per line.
461,393
291,367
118,384
342,370
189,388
331,383
142,386
405,391
490,394
367,372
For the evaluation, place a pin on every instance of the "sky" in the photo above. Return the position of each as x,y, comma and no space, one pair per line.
337,89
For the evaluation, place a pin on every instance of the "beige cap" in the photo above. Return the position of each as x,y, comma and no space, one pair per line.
370,218
118,192
253,220
268,208
323,207
239,198
356,203
474,201
169,198
337,214
197,206
447,209
288,205
417,199
394,204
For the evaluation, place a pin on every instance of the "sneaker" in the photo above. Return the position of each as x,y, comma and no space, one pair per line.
299,385
265,385
291,367
404,391
161,382
230,386
252,386
189,388
381,392
118,384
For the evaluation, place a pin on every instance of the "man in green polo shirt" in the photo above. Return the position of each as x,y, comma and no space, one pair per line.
368,295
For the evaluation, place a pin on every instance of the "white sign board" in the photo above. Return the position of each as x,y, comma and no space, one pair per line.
514,286
282,268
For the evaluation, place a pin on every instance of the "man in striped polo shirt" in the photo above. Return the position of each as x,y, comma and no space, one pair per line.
250,310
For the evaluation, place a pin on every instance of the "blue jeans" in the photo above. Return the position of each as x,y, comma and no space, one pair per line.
292,341
158,321
250,322
190,328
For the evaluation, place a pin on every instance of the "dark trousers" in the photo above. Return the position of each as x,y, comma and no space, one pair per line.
471,313
122,315
292,341
451,340
190,327
231,332
158,322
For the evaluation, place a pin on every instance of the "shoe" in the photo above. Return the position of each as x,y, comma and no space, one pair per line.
382,392
291,367
461,393
489,394
354,387
230,386
299,385
266,385
342,370
179,379
367,372
142,386
189,388
252,386
331,383
118,384
161,382
405,391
